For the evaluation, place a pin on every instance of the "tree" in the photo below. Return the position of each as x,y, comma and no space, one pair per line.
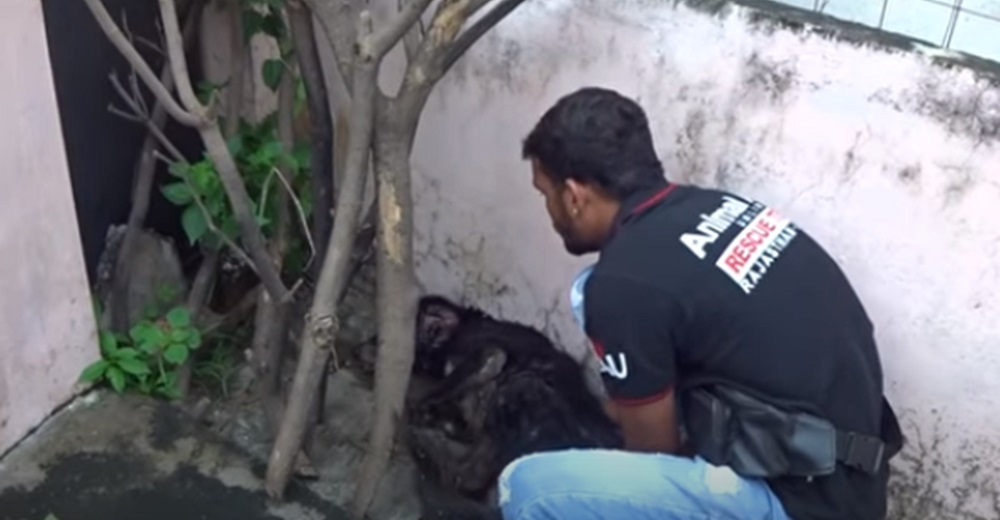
377,131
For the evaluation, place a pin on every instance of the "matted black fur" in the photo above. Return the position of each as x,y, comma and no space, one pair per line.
503,391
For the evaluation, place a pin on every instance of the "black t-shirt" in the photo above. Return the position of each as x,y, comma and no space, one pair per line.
695,280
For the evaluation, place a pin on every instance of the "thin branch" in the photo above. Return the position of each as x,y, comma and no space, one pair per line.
458,48
209,222
142,188
336,20
144,118
175,53
386,39
132,118
321,130
237,62
303,220
413,37
118,39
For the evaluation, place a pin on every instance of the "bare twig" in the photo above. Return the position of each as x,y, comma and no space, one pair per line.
139,116
118,39
301,213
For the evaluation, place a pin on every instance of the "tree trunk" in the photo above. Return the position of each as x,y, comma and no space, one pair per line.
396,300
321,322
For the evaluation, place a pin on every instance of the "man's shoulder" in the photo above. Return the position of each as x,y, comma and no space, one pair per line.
616,288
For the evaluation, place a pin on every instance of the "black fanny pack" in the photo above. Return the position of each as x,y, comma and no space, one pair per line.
730,426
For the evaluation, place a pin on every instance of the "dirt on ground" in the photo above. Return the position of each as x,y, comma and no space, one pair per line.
113,457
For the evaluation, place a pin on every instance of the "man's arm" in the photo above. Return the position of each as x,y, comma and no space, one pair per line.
630,324
649,427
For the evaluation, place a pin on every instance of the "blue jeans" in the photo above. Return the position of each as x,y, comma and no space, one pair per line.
611,485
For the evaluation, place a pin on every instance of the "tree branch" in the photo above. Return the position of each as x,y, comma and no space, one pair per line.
336,19
121,43
320,129
321,323
386,39
465,40
178,62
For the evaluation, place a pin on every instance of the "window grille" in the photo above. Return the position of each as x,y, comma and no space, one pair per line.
970,26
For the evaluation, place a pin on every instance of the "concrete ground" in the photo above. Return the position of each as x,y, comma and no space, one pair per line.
111,457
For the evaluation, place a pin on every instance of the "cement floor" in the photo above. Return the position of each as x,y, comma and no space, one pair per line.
111,457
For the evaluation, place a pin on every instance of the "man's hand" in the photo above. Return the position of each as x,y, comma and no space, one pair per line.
650,426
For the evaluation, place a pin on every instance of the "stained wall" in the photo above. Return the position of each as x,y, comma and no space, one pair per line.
46,320
885,152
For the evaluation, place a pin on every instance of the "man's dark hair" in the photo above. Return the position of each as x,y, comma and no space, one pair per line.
596,136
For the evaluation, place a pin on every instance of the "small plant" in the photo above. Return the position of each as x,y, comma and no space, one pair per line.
147,357
218,368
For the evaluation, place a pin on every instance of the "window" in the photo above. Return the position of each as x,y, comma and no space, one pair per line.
971,26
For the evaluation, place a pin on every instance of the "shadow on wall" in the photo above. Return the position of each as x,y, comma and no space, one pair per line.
102,148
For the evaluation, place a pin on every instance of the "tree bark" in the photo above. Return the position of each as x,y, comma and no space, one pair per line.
321,321
396,130
320,129
396,301
201,289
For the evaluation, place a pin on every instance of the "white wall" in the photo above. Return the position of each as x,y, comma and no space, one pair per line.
888,160
46,322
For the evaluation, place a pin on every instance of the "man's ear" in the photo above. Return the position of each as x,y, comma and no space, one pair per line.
578,194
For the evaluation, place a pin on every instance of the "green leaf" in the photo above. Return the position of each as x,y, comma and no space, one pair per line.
262,220
169,391
235,144
272,25
146,384
133,366
109,343
177,193
194,339
117,378
194,224
126,353
148,337
176,353
94,371
179,317
229,227
141,332
253,21
203,177
271,71
179,169
180,335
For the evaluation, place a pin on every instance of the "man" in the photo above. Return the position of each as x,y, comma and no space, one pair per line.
693,285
